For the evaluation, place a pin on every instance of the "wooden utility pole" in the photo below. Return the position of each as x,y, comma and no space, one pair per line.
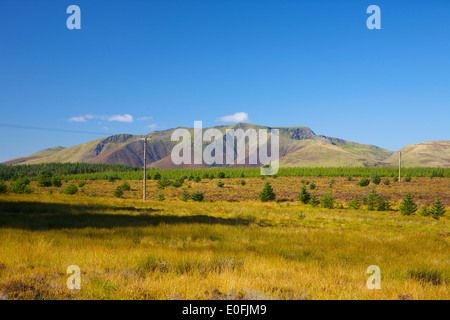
399,166
145,169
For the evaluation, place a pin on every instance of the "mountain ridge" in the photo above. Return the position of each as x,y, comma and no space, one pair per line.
299,146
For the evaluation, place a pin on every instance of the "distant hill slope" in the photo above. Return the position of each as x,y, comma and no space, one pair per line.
38,155
426,154
299,146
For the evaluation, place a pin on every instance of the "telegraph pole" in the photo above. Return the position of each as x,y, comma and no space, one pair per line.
145,168
399,166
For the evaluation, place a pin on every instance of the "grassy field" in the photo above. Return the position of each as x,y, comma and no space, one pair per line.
231,246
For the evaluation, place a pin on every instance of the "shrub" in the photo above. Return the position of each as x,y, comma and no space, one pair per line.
3,187
312,186
185,196
157,176
267,193
220,184
386,182
160,197
395,179
125,186
408,206
363,182
438,209
118,192
314,201
71,189
205,175
304,196
21,186
197,179
354,204
221,175
56,182
242,182
375,178
349,178
423,211
408,178
44,180
327,201
198,196
81,183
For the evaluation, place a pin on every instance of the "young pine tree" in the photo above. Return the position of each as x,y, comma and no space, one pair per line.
185,196
408,206
354,204
424,211
304,196
267,194
314,201
372,200
438,209
327,201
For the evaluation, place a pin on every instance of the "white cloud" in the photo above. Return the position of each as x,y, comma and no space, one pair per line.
145,118
237,117
152,126
117,117
77,119
121,118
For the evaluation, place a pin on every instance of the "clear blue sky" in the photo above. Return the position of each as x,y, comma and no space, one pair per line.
168,63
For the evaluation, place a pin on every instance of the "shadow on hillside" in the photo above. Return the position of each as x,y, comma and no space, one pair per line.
47,216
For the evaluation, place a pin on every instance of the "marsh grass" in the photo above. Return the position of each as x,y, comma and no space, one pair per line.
127,249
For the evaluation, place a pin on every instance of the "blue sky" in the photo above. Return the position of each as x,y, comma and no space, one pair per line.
168,63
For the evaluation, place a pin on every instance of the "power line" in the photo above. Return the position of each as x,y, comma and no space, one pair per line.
50,129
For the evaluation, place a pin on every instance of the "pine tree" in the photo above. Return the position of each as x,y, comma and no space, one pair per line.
327,201
372,200
304,196
198,196
438,209
185,196
384,205
267,194
375,178
314,201
3,187
354,204
408,206
423,211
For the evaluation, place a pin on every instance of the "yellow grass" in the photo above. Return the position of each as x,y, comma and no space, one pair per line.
169,250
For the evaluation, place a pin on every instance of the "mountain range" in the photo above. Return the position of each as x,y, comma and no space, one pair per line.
299,147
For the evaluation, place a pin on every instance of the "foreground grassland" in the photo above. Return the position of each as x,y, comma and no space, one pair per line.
235,249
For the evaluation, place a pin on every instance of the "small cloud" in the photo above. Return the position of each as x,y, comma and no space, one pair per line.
77,119
91,116
121,118
152,126
117,117
145,118
237,117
